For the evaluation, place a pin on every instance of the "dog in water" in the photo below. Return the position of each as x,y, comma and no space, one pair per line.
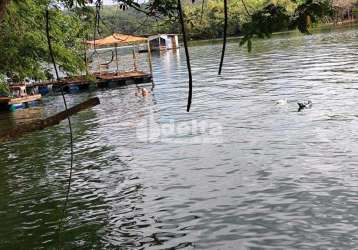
304,105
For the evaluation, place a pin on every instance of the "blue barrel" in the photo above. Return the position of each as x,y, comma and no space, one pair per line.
12,108
18,106
43,90
73,89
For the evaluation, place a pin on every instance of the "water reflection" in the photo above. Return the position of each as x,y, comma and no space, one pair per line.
20,117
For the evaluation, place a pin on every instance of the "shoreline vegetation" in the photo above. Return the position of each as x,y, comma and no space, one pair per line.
24,52
205,19
316,28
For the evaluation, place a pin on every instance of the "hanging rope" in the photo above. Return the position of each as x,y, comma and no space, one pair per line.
98,18
110,61
96,25
60,225
187,56
224,39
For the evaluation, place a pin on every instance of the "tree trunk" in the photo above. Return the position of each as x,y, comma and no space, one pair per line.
3,6
48,122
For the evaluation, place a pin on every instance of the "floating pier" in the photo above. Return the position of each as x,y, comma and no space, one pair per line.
100,80
135,74
103,75
123,77
18,99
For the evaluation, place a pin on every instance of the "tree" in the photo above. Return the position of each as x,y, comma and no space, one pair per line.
23,47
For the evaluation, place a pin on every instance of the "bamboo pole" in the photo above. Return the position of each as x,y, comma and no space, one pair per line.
86,59
134,58
19,131
149,58
117,59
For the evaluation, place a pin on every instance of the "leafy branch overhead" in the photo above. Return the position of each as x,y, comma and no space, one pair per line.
308,13
273,18
4,88
23,48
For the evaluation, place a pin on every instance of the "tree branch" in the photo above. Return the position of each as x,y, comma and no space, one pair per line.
3,7
48,122
181,19
224,39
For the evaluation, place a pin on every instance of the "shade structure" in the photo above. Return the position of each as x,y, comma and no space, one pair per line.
118,39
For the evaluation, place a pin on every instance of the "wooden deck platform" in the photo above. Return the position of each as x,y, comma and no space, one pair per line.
78,80
4,100
100,78
122,75
29,98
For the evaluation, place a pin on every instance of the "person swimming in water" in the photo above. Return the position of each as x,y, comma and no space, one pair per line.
142,92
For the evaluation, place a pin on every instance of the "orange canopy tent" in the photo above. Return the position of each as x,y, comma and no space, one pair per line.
118,39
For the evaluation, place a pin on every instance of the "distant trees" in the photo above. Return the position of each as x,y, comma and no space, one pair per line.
205,20
23,47
24,53
343,9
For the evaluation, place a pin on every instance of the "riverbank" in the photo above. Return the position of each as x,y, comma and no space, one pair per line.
321,27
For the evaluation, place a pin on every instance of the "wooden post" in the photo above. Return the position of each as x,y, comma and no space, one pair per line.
134,59
149,58
99,63
86,59
116,59
174,42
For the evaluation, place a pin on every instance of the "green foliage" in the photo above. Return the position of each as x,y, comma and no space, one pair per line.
208,23
154,8
264,22
129,21
23,43
4,87
309,12
273,18
72,3
249,18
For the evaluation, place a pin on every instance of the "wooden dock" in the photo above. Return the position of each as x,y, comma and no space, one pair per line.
19,100
123,75
77,80
103,79
100,79
11,104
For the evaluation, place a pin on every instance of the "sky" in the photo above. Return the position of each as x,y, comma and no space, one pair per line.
108,2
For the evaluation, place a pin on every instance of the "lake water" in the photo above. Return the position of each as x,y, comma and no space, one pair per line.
237,172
